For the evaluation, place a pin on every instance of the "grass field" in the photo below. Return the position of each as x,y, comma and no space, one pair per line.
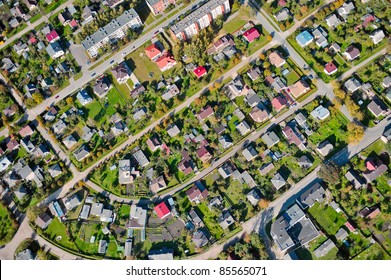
233,25
292,78
56,229
96,111
7,226
375,252
124,211
327,218
210,220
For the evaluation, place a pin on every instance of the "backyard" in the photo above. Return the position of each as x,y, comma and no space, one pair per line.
8,226
327,218
210,220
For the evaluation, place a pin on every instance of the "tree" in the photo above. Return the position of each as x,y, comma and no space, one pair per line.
69,100
356,133
37,97
263,203
329,172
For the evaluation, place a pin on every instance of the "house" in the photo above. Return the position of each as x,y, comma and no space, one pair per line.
81,153
56,210
332,21
352,85
223,44
55,170
113,3
251,35
227,169
386,136
249,153
88,14
304,38
83,97
254,196
30,4
203,154
13,22
139,113
166,62
102,247
259,114
292,228
157,185
254,73
225,141
186,165
252,99
126,172
351,53
324,248
270,138
330,68
236,88
26,131
299,88
121,72
215,202
25,255
378,170
294,136
278,181
87,133
301,119
225,219
279,103
154,144
345,9
320,113
101,87
115,29
137,218
8,65
316,193
158,6
54,50
12,145
59,127
304,162
119,127
377,36
266,168
69,141
199,19
386,83
245,178
52,36
377,107
140,157
137,91
72,202
197,192
282,14
162,210
43,220
4,163
20,47
237,112
153,51
243,128
205,113
354,179
321,37
341,234
162,254
200,239
325,148
170,92
276,59
47,83
173,130
200,71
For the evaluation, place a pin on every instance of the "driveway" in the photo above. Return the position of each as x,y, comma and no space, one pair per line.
79,54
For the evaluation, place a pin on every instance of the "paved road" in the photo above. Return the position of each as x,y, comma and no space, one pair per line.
31,26
260,221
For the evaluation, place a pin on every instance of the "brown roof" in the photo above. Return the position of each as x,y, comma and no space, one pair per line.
203,154
194,192
299,88
26,131
205,112
259,115
291,136
276,59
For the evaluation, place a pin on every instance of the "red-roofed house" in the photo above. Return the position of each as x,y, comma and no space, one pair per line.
350,227
371,165
33,40
292,137
330,68
251,34
205,113
162,210
12,145
153,52
166,62
374,213
197,193
52,36
368,19
200,71
281,3
73,23
26,131
203,154
278,103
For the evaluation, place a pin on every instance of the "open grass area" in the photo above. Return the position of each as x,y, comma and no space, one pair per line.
8,226
375,252
327,218
35,18
292,78
233,25
78,76
96,111
57,229
210,220
258,43
124,211
377,147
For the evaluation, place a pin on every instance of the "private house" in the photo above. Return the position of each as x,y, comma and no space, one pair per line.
386,136
320,113
351,53
158,6
81,153
377,36
26,131
341,234
299,88
200,71
83,97
355,180
324,148
186,165
173,130
52,36
266,168
157,185
121,72
386,83
69,141
59,127
72,202
199,239
137,219
249,153
139,113
43,220
162,210
199,19
282,14
4,163
225,141
116,29
170,92
320,36
205,113
243,128
316,193
154,144
54,50
113,3
162,254
203,154
88,14
25,255
345,10
166,61
304,38
374,170
252,98
276,59
259,114
102,87
279,103
153,51
30,4
197,193
324,248
126,172
251,35
330,68
55,170
293,136
254,73
270,138
223,43
227,169
253,196
332,21
278,181
352,85
377,107
102,247
225,219
87,133
140,157
292,228
20,48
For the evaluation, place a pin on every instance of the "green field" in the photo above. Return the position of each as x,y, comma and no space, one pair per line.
327,218
233,25
375,252
292,78
56,229
8,227
210,220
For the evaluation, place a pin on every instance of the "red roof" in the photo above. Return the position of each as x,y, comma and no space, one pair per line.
350,226
205,112
368,19
251,34
12,145
374,213
73,23
203,154
33,40
200,71
281,3
166,61
25,131
278,103
152,51
370,165
330,67
162,210
52,35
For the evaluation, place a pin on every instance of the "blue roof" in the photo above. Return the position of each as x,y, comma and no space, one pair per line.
304,37
58,209
83,97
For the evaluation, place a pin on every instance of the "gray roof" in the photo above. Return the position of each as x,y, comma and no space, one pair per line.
282,14
59,127
85,211
69,141
313,194
128,248
270,138
72,202
387,134
243,128
377,107
225,141
252,99
173,130
324,148
304,162
323,249
141,159
55,170
332,21
102,248
278,181
253,196
25,255
138,217
225,219
200,239
162,254
87,133
53,48
101,87
81,153
352,84
139,113
354,178
124,172
249,153
341,234
303,231
266,168
96,209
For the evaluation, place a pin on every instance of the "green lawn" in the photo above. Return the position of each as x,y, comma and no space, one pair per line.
375,252
378,147
292,78
124,211
56,229
210,220
96,111
35,18
233,25
234,192
258,43
327,218
78,76
8,227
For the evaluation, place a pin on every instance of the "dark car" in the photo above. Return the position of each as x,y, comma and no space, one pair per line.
111,62
93,74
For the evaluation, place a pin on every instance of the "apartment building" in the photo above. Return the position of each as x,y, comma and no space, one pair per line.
158,6
199,19
116,29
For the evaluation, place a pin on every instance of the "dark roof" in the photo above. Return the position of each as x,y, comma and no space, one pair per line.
314,194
